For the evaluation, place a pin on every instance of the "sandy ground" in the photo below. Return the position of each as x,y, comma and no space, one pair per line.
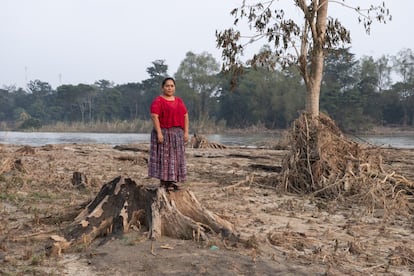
288,234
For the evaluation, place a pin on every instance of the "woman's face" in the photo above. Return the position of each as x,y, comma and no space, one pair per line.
169,88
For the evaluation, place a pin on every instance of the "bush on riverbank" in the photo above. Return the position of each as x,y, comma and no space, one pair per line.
135,126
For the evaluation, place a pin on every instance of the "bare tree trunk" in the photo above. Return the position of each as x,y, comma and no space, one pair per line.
316,21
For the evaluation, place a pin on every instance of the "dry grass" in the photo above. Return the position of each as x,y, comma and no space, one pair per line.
134,126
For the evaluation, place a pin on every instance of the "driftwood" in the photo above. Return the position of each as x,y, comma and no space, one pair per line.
9,165
122,204
135,148
26,150
79,180
198,141
268,168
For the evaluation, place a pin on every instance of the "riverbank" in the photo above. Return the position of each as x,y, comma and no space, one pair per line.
206,128
278,140
289,234
381,130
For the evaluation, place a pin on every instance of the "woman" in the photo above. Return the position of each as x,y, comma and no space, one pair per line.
168,137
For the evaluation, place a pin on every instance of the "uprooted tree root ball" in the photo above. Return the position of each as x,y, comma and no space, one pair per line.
325,163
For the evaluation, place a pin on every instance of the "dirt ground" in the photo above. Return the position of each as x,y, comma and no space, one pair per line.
287,234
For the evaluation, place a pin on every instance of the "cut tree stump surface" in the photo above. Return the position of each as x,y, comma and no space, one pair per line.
123,204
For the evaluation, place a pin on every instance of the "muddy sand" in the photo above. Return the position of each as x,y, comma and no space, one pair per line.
287,234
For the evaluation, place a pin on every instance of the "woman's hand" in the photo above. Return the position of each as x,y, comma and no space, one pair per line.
160,138
156,122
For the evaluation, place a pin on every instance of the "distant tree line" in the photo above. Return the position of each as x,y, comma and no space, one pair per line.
357,94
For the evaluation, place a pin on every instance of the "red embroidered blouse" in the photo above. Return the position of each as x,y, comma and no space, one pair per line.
170,113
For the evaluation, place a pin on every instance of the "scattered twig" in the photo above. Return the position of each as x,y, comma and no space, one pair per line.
152,249
242,182
166,246
39,235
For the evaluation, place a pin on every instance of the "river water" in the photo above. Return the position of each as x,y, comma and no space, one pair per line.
248,140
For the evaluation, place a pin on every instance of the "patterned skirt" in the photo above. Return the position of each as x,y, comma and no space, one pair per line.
167,160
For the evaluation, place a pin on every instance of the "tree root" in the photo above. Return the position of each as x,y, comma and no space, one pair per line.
324,163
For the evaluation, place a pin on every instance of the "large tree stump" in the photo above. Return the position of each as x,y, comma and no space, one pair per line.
122,204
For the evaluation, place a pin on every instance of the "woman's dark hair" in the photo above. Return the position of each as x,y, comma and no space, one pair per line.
167,79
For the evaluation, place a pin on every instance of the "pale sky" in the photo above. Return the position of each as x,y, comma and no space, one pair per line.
82,41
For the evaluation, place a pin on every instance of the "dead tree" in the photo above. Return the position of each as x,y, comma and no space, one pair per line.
123,204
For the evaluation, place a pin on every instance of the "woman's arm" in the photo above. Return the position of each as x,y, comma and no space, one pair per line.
186,126
157,127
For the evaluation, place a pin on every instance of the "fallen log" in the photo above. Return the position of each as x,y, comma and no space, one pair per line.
122,204
135,148
201,142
